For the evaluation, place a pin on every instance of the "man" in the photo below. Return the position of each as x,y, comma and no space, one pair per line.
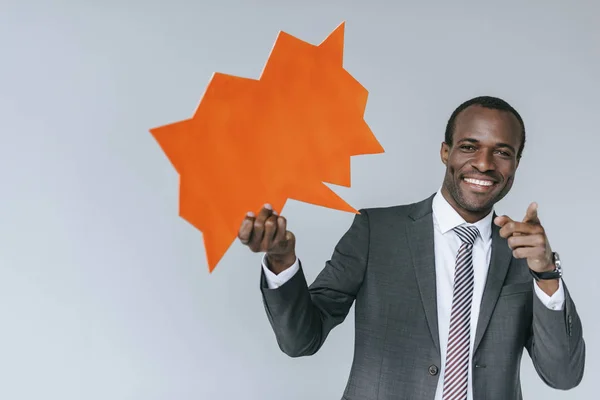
447,293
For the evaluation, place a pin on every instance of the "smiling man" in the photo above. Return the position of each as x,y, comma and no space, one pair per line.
481,151
447,293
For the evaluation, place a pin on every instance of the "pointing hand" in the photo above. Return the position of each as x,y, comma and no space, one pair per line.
528,239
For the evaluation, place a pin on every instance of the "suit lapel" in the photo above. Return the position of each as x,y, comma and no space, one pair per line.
421,244
499,263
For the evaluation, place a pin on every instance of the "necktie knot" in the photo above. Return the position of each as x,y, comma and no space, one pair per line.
467,234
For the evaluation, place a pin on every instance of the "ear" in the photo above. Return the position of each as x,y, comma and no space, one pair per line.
444,152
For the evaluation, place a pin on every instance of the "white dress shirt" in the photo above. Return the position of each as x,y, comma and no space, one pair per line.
447,243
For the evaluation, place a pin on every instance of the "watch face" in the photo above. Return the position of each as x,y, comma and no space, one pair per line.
557,264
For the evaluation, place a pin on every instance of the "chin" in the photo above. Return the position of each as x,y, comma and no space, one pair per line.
473,197
479,202
475,202
476,206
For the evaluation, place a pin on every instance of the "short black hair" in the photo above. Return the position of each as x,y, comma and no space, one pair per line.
490,102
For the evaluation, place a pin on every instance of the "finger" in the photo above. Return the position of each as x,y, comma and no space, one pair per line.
246,226
502,220
281,230
534,253
269,233
288,236
259,227
514,228
531,215
518,241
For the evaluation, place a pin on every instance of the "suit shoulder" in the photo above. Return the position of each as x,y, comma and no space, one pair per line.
402,211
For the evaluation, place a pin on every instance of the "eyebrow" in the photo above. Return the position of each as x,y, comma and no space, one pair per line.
470,140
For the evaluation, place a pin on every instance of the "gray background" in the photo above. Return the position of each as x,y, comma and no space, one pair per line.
104,290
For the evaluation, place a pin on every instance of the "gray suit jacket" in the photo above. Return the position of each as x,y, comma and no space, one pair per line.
385,262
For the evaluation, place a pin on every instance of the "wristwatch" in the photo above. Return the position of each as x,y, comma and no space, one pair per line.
556,274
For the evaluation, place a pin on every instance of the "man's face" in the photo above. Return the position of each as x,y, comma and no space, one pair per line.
481,164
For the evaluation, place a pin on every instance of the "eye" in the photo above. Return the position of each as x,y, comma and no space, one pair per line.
504,153
467,147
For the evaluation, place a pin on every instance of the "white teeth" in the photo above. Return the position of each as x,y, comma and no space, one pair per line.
478,182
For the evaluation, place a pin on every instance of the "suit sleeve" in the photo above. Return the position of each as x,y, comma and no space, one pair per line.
302,316
556,343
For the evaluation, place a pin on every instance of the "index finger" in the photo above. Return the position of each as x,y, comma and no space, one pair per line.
245,230
517,228
258,228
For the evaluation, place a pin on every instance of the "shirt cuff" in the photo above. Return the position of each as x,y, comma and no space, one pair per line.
274,281
556,301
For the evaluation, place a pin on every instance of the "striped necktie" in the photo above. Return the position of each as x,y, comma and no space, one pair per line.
459,339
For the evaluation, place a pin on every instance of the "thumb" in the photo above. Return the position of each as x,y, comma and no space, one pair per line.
531,215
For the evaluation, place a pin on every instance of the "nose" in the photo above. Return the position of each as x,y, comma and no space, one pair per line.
483,161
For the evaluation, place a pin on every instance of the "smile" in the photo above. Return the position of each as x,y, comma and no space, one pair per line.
479,182
479,185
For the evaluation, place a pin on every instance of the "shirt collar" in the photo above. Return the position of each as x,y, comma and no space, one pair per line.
447,218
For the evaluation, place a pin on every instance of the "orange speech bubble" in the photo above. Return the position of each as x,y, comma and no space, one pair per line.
252,142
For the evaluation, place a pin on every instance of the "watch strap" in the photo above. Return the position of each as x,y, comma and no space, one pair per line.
548,275
540,276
